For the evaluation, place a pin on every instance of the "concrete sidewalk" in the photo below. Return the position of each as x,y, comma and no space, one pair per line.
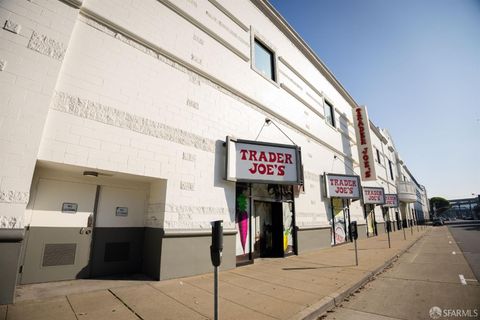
296,287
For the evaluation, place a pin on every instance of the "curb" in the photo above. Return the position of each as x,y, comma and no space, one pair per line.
335,299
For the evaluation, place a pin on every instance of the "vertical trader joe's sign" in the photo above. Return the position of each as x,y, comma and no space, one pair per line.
391,200
342,186
373,195
262,162
364,143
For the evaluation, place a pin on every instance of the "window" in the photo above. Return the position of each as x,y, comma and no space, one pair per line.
391,170
264,60
329,113
378,156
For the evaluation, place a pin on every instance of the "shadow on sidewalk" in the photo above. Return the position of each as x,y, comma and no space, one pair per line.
313,268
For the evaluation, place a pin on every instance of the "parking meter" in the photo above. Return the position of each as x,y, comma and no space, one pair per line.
217,243
353,230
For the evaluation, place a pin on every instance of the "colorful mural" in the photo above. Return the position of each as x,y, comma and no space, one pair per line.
242,219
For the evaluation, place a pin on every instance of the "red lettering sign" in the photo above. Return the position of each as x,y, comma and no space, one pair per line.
266,163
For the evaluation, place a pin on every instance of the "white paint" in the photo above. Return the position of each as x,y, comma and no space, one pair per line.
51,194
453,252
462,279
113,197
25,92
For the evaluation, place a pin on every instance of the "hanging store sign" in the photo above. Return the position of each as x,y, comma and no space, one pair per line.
372,195
364,144
391,200
342,186
262,162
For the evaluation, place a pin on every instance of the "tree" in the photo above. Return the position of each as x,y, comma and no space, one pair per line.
439,205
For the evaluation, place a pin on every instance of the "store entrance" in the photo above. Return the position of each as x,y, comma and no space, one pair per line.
269,240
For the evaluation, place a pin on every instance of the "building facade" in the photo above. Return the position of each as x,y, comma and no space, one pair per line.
114,123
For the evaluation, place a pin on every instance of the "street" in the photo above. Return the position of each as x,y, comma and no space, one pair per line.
467,237
432,273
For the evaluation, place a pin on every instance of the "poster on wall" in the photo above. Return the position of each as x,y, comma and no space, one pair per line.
364,143
262,162
371,221
339,223
342,186
287,227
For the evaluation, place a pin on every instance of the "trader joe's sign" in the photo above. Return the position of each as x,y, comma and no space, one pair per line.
373,195
391,200
262,162
364,144
342,186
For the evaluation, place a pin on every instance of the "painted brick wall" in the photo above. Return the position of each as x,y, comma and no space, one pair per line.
152,88
120,106
33,40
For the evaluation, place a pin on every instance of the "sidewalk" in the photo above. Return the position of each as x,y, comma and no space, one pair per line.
296,287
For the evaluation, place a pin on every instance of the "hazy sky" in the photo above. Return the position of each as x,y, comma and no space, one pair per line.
416,65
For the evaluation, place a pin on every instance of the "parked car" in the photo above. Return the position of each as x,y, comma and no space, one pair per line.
437,222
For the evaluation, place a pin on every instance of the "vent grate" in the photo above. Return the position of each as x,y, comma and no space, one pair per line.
59,254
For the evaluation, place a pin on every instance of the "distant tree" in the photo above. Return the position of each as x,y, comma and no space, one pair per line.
439,204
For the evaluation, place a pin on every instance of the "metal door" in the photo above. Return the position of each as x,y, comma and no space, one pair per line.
60,233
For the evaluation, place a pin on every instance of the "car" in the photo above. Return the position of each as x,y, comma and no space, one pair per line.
437,222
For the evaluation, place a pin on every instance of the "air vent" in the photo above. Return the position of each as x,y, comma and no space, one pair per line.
117,251
59,254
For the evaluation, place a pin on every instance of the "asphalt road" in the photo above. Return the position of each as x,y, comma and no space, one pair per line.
467,237
428,275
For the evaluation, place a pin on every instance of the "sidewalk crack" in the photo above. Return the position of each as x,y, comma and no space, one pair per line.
71,307
163,292
234,302
126,305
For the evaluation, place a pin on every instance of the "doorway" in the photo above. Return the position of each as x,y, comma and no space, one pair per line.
269,239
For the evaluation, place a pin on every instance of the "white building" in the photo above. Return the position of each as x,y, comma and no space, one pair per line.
113,121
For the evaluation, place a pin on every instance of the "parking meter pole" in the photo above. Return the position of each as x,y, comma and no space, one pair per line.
411,227
404,235
356,253
216,257
354,236
215,293
388,234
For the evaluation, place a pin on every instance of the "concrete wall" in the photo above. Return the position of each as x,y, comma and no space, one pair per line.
313,239
189,254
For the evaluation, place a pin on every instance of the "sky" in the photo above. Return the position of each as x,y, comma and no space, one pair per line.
415,64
